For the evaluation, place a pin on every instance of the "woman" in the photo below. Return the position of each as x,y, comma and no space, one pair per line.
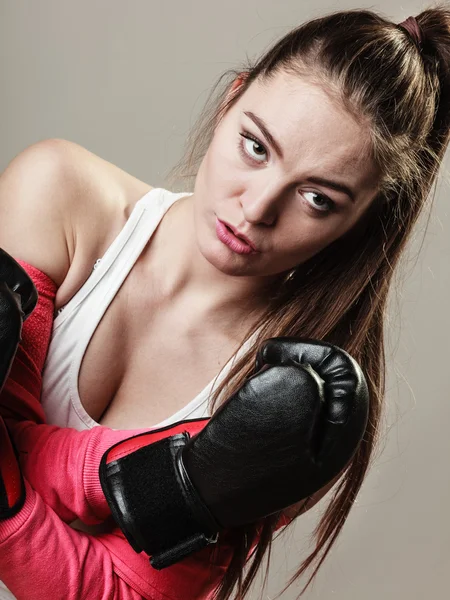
320,269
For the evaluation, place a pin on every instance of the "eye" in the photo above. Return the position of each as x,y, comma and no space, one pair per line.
247,148
330,206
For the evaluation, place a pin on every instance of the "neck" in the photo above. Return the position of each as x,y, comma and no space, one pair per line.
191,277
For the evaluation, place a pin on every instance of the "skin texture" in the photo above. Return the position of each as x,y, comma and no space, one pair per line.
265,196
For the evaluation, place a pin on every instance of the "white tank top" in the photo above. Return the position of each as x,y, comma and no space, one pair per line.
76,322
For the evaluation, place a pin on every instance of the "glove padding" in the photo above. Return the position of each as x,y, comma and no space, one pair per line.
18,298
290,429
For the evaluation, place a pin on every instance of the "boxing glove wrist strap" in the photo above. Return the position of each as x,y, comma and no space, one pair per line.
153,500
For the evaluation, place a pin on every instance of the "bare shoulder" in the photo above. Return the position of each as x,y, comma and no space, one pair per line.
35,193
59,205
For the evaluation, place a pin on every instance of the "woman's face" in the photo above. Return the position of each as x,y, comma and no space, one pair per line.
271,188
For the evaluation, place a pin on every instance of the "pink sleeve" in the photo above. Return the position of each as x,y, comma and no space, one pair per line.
62,465
42,556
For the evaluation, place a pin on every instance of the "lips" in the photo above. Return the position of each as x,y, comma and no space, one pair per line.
241,236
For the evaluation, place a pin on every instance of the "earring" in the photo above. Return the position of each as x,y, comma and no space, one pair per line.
289,276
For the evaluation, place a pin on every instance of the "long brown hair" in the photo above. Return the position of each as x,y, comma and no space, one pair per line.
402,91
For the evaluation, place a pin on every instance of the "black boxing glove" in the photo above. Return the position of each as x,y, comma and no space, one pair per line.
289,430
18,297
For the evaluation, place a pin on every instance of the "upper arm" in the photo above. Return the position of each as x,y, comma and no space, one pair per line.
37,196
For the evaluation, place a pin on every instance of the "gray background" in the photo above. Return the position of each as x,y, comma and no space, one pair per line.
126,80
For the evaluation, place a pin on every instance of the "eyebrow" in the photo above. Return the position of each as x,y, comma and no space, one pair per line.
339,187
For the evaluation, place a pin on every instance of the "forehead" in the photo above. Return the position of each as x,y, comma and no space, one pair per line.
311,126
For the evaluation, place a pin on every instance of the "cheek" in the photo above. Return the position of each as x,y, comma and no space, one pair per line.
222,158
303,237
211,170
218,180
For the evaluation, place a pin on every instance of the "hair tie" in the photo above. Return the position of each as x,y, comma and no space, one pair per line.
412,27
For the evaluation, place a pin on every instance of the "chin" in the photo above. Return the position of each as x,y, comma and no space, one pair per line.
226,261
221,262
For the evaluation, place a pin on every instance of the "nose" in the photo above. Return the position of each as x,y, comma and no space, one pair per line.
262,206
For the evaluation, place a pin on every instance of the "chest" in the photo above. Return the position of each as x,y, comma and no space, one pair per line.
144,363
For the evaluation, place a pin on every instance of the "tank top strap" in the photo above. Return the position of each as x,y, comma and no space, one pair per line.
125,248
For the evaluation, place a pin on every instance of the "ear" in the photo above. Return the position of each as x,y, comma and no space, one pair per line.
231,93
238,82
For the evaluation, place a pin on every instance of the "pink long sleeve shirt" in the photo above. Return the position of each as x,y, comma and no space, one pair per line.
41,556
